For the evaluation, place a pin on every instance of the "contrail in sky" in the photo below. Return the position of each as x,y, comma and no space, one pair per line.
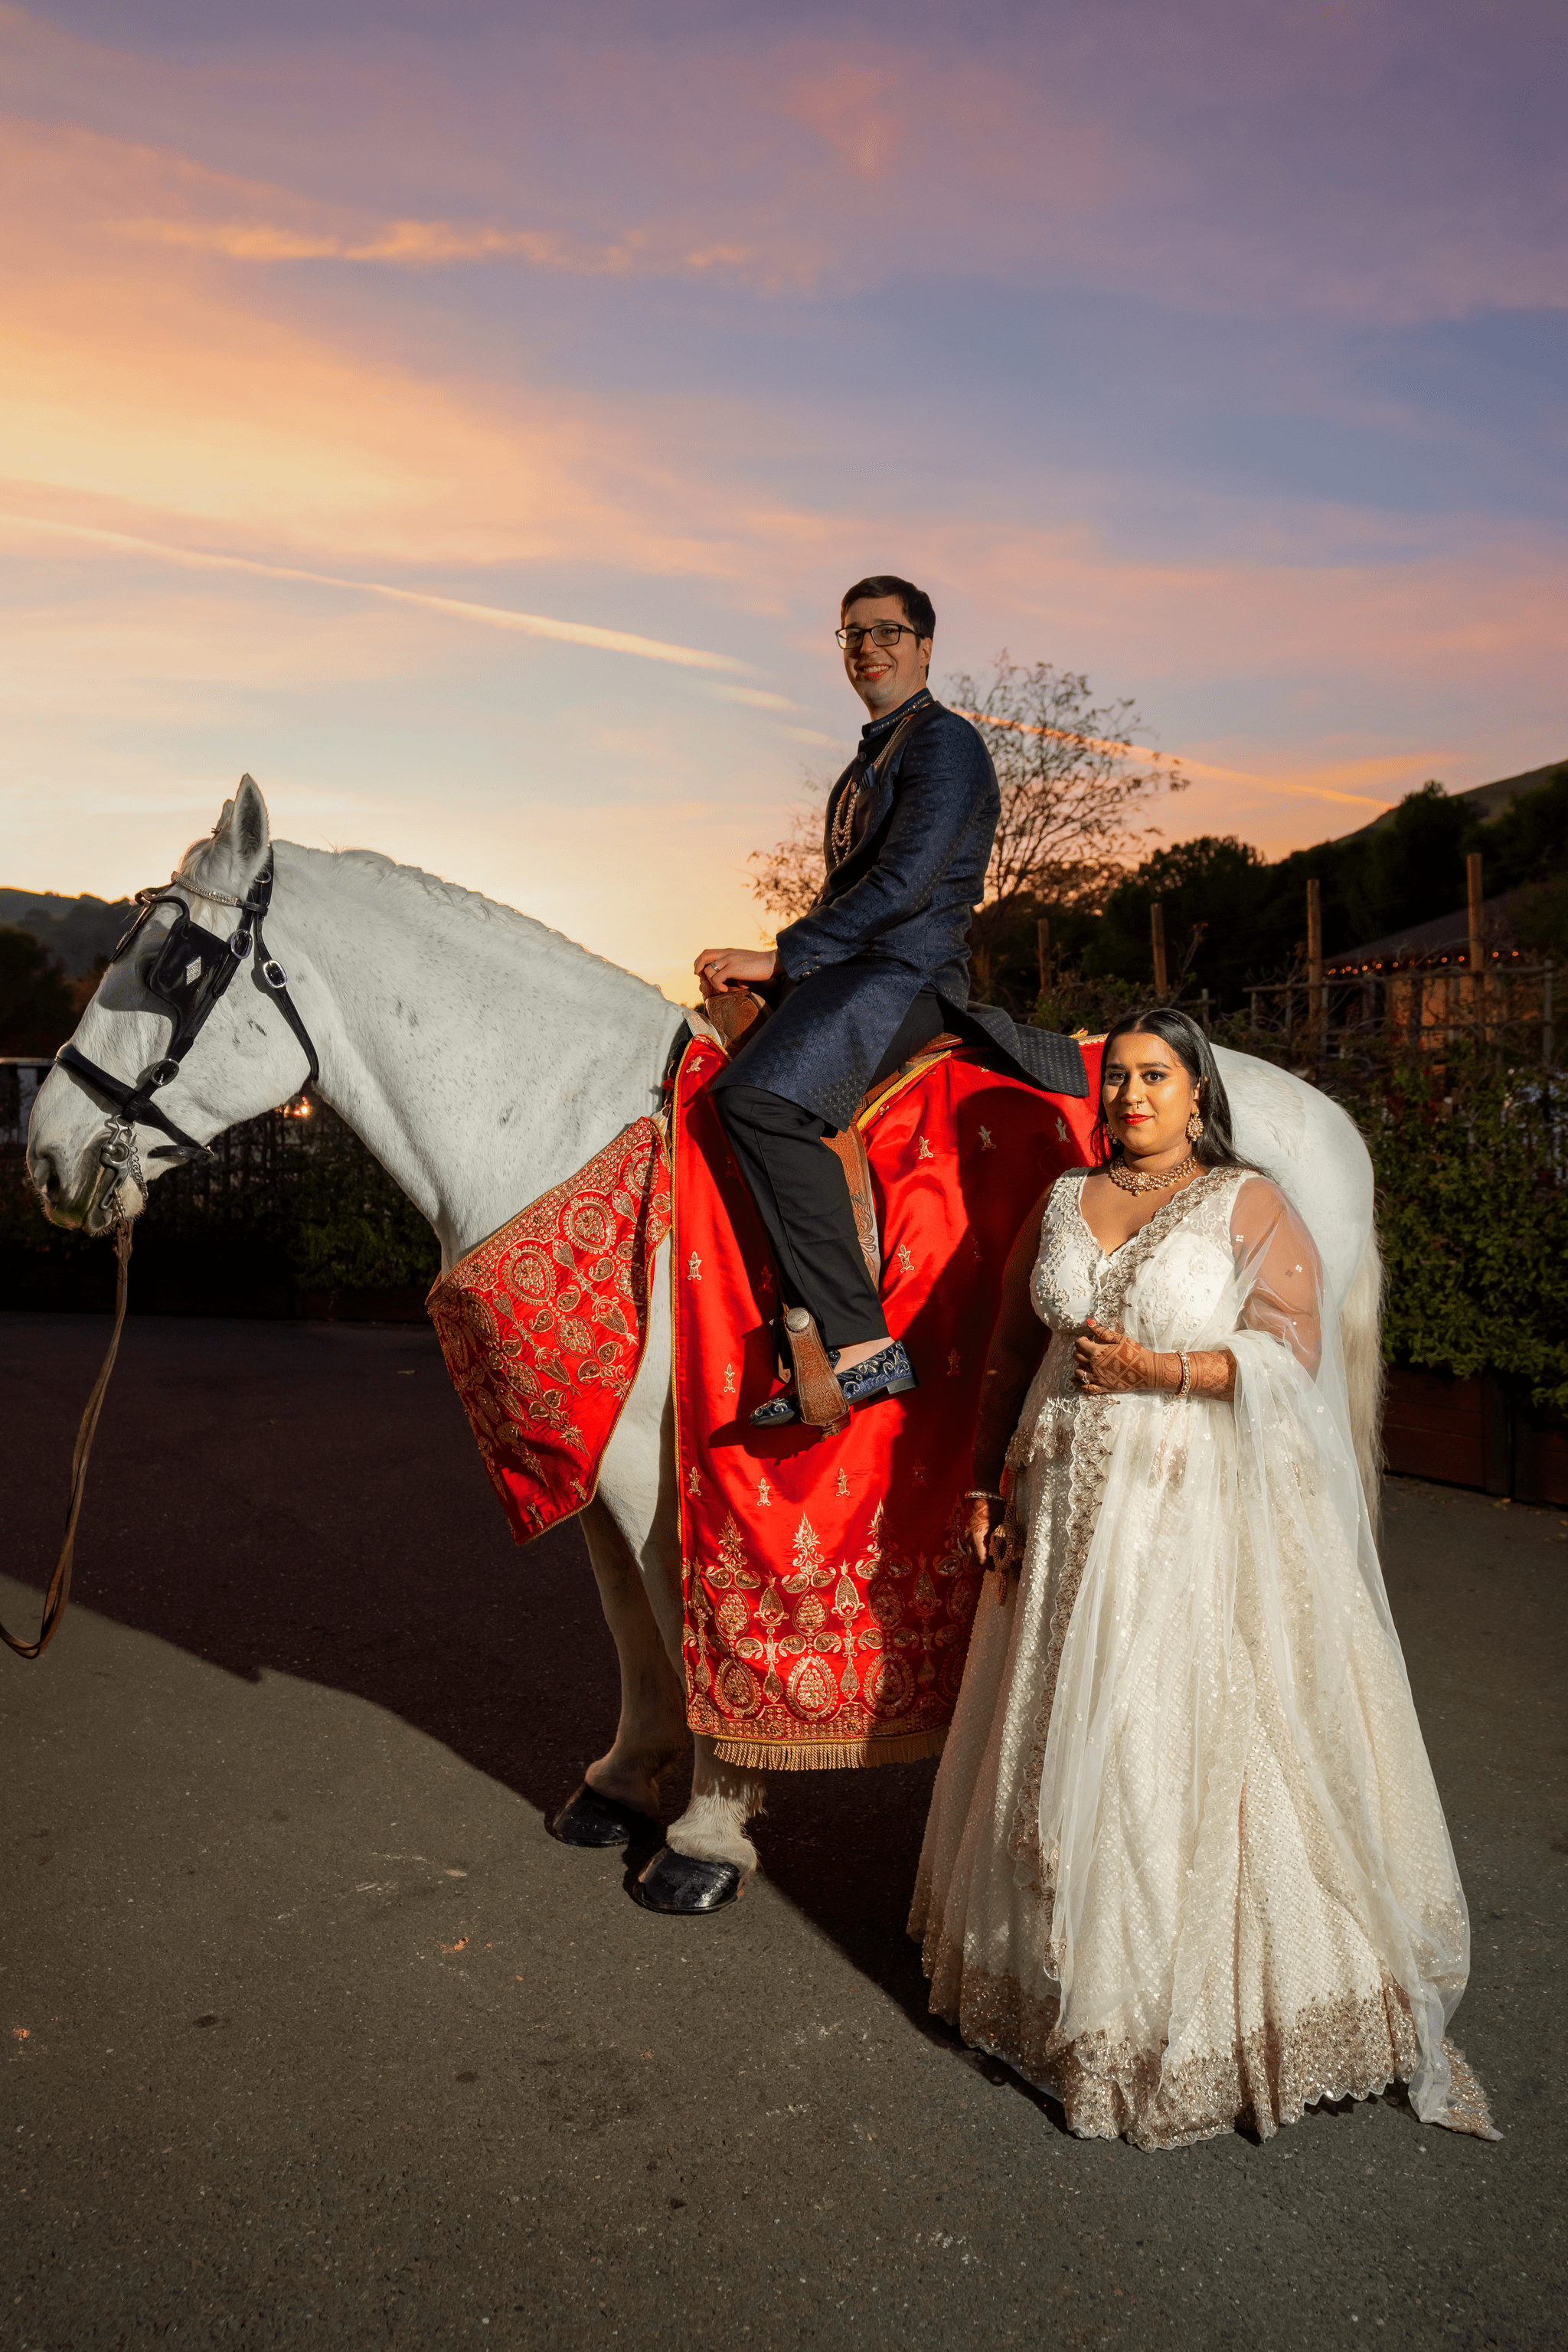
495,617
1193,766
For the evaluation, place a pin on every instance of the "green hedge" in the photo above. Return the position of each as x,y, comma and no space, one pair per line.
1473,1213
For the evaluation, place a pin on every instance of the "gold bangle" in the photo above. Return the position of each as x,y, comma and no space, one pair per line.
1186,1387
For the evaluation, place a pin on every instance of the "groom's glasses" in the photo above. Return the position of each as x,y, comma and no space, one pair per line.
881,633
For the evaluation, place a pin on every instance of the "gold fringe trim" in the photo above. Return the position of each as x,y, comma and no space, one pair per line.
828,1755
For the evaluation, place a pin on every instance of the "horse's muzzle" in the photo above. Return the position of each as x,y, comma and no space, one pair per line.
82,1200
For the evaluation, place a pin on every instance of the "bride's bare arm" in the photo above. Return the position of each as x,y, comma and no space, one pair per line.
1017,1343
1107,1363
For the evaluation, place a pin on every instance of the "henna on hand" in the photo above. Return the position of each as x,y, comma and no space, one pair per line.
978,1527
1108,1363
1214,1374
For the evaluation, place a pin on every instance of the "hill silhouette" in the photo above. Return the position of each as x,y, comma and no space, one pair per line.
74,932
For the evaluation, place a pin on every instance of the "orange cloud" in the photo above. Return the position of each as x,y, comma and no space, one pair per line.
143,376
400,241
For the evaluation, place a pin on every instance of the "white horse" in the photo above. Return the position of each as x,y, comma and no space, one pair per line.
482,1058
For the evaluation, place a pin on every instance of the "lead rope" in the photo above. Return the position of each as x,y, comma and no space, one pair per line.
119,1153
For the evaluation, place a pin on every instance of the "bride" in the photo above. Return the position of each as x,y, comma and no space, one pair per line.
1185,1867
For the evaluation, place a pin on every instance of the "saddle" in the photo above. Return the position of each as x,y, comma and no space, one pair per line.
801,1355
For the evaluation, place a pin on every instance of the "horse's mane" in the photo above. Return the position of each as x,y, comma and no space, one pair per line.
378,868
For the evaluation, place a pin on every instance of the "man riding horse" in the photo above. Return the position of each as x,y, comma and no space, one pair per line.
878,969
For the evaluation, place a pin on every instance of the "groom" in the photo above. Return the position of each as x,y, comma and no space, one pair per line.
877,968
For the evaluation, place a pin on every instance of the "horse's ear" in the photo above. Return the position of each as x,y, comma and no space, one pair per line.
240,844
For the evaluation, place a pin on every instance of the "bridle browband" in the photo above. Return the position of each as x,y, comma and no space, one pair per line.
192,970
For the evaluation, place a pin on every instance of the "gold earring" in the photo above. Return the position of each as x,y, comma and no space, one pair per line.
1195,1125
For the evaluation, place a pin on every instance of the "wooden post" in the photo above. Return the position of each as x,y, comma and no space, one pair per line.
1043,947
1157,934
1548,1035
1317,994
1478,925
1203,1015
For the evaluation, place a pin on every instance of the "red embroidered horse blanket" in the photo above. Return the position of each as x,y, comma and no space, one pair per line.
828,1589
543,1326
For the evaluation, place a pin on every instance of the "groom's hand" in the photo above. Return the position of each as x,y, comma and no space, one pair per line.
718,969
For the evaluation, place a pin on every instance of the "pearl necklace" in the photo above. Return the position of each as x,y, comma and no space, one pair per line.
1130,1180
842,831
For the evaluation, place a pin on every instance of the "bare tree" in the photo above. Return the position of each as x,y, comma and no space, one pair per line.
787,877
1072,783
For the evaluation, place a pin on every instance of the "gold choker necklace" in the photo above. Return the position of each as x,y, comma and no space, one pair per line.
1130,1182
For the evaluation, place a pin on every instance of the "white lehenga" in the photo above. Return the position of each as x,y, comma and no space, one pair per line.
1187,1867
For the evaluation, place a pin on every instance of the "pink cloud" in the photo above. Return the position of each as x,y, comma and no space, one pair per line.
1367,162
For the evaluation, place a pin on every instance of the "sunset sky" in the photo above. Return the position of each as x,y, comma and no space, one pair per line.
465,416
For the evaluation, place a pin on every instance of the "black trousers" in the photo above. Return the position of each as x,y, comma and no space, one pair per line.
803,1199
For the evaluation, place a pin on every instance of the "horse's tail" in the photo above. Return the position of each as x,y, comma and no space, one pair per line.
1360,1341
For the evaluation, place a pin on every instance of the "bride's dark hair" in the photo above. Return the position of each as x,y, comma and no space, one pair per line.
1215,1148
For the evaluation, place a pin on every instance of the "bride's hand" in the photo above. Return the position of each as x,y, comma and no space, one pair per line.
981,1522
1108,1363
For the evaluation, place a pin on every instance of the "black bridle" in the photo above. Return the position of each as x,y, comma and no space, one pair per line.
189,973
192,970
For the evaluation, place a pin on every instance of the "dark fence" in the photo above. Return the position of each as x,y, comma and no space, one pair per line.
1507,1010
291,1216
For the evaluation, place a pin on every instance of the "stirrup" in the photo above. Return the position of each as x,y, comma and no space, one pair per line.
819,1400
888,1374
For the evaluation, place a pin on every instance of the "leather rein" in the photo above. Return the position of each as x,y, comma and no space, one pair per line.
187,990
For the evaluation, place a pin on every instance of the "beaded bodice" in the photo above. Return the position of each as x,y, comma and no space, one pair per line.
1169,1275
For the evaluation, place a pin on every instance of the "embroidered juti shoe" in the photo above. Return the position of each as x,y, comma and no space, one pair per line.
888,1374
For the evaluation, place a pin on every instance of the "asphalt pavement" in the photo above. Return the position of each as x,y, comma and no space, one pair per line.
315,2036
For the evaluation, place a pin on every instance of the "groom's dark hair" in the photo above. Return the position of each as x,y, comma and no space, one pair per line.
918,610
1215,1148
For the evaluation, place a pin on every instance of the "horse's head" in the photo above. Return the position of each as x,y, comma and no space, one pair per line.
245,1060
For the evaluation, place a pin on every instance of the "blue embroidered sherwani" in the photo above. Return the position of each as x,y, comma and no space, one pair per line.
893,917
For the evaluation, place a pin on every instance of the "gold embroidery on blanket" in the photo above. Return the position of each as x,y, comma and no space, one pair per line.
776,1631
520,1338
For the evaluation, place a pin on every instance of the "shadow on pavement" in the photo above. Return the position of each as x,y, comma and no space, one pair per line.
307,1500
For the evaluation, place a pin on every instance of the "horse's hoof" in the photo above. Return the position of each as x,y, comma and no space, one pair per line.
675,1881
589,1819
